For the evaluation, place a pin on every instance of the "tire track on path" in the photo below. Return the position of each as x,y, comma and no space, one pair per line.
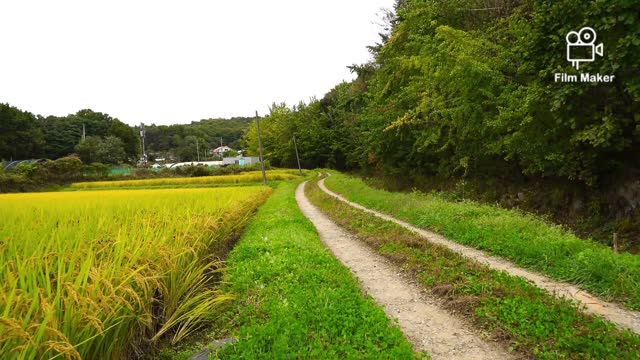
428,326
615,313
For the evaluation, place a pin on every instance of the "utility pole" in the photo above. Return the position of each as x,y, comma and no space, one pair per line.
142,135
84,133
295,144
264,174
198,149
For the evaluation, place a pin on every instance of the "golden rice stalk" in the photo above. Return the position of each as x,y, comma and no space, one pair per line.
12,330
92,274
63,348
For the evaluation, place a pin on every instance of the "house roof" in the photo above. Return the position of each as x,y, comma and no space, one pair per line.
222,148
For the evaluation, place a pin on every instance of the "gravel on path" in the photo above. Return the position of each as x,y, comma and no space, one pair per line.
428,326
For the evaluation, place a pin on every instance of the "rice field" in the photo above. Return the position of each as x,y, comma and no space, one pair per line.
247,177
106,274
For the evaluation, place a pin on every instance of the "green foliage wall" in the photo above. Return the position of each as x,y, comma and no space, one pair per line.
466,88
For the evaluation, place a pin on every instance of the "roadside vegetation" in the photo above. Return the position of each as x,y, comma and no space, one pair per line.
111,274
525,239
50,175
248,177
294,299
524,318
463,91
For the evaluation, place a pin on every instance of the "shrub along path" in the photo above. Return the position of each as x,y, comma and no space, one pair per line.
427,325
622,317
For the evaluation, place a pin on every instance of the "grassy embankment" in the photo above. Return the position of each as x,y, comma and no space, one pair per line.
243,178
108,274
525,239
527,319
294,299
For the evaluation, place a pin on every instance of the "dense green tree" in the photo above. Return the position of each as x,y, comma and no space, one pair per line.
130,139
20,136
112,151
466,88
88,149
62,134
108,150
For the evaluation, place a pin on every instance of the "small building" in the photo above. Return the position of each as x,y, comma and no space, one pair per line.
220,150
206,163
241,160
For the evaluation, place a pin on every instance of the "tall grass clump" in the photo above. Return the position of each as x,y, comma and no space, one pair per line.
523,238
248,177
108,274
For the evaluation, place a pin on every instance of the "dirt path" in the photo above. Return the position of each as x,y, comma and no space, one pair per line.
615,313
425,324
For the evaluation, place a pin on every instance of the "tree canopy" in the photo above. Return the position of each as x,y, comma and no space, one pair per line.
466,88
24,135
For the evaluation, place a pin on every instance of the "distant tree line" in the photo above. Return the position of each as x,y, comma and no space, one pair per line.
24,135
465,88
181,142
108,140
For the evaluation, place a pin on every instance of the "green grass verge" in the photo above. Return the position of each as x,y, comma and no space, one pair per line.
528,319
295,300
525,239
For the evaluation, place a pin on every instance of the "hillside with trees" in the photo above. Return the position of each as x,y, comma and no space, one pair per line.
180,141
108,140
460,95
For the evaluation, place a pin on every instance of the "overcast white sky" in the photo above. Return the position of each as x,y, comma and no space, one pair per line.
178,61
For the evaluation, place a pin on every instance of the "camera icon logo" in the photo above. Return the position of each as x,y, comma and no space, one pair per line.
581,48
